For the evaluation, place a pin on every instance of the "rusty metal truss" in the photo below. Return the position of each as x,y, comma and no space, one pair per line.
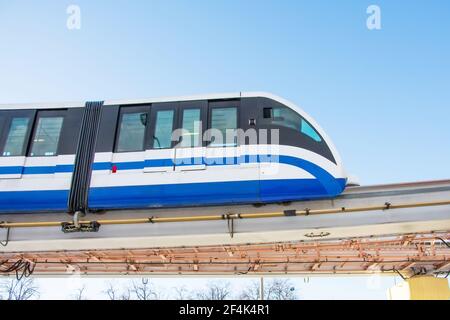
406,254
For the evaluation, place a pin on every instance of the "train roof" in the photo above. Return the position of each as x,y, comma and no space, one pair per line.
81,104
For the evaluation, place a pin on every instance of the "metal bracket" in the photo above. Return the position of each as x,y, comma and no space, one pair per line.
415,272
290,213
230,222
71,227
230,226
317,235
77,226
5,242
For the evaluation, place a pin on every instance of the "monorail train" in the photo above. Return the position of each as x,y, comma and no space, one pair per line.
122,154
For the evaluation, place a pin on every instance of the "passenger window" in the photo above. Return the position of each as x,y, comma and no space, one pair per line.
224,119
308,130
191,128
162,139
15,142
132,132
46,137
285,117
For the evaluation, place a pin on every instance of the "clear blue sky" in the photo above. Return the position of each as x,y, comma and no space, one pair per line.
383,96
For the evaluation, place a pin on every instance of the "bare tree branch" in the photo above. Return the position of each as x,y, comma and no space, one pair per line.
251,292
215,291
280,289
79,293
126,295
182,293
276,289
144,290
114,294
111,292
24,289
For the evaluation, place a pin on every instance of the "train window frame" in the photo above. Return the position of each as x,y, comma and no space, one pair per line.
164,106
189,105
223,105
310,127
127,110
269,117
7,117
43,113
17,147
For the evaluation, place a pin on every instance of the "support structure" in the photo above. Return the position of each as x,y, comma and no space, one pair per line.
407,254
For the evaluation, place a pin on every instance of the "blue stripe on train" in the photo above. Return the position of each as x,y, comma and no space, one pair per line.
37,170
192,194
11,170
133,165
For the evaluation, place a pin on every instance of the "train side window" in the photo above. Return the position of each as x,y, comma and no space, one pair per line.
308,130
46,136
285,117
191,125
162,138
132,132
15,141
223,120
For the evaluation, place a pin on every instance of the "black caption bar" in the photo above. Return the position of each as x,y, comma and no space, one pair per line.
170,309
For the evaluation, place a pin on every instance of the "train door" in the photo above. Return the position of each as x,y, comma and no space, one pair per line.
160,153
129,151
189,155
232,176
118,171
47,171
